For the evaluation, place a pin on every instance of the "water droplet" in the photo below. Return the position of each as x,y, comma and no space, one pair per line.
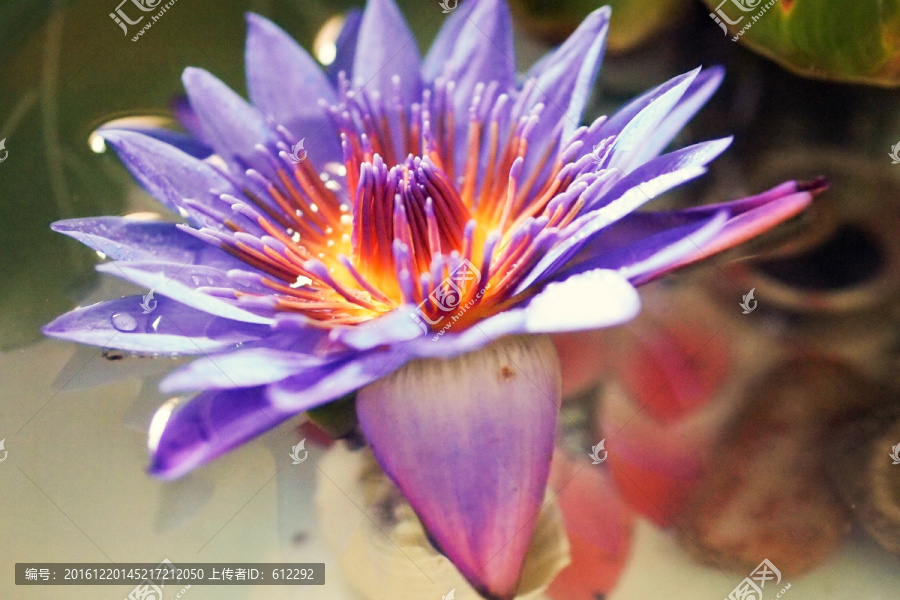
313,207
195,279
155,324
101,255
301,281
124,322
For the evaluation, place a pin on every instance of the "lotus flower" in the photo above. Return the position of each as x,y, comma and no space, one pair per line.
446,217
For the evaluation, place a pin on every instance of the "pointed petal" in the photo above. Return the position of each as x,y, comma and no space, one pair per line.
696,96
563,82
242,368
648,245
188,144
442,47
749,220
617,122
170,328
318,385
163,279
643,246
231,125
397,326
286,83
346,46
588,226
386,48
628,145
590,300
648,175
207,426
482,51
122,238
168,174
469,441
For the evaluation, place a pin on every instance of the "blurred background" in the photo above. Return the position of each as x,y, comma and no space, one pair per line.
769,432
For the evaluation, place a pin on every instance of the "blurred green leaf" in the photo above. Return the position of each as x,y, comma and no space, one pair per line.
844,40
633,21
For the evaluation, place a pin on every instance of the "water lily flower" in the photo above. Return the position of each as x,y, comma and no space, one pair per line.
443,215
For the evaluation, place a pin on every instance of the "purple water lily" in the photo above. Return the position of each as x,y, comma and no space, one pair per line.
445,216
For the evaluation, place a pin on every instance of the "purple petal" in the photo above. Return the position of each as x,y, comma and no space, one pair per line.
399,325
617,122
170,327
122,238
186,143
286,83
563,81
589,300
206,426
231,125
318,385
346,46
242,368
645,244
696,96
752,216
181,108
442,47
587,226
169,174
481,53
594,300
167,279
386,48
628,145
469,442
657,175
